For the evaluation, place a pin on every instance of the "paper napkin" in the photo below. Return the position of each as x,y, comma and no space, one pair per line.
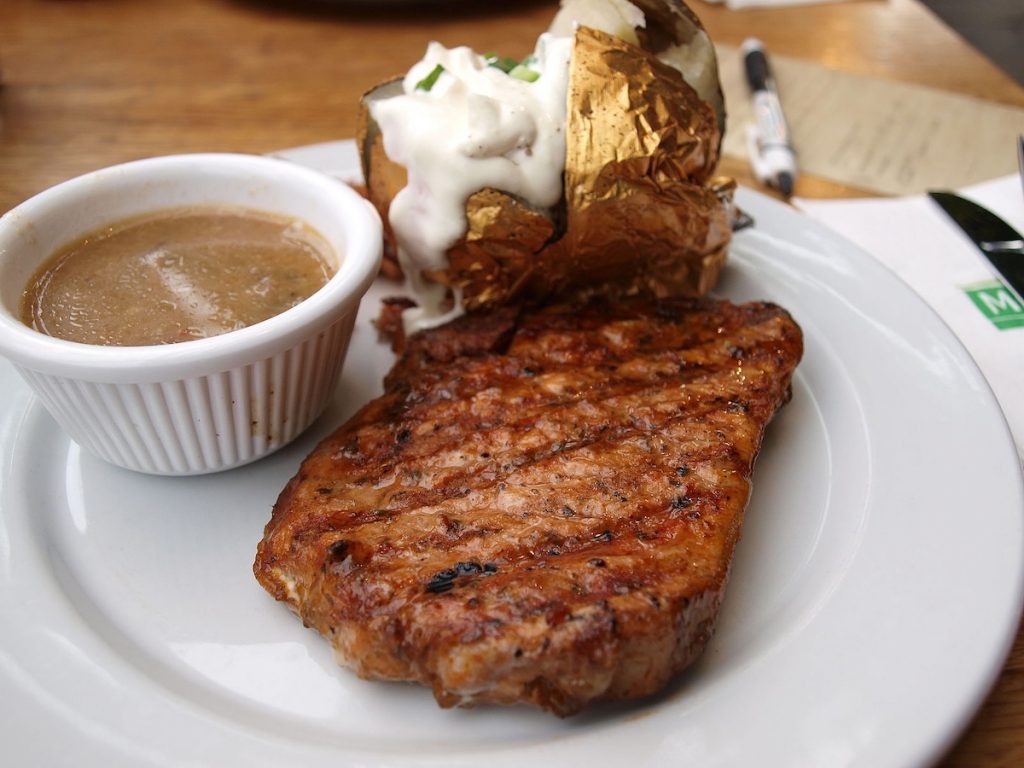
915,239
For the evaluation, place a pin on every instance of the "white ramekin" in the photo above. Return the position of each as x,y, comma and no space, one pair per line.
209,404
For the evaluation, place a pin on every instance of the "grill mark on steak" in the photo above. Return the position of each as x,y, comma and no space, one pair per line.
585,417
594,459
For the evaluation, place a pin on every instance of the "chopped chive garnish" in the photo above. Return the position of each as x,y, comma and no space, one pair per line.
504,63
428,82
522,72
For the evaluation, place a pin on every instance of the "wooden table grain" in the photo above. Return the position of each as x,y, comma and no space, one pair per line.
88,83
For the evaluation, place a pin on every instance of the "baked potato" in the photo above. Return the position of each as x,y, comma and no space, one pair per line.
630,138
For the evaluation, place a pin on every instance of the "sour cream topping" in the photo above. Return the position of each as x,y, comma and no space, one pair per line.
476,127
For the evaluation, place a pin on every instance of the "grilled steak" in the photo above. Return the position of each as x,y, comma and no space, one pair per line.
543,505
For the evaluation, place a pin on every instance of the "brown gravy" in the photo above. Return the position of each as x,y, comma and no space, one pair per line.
176,275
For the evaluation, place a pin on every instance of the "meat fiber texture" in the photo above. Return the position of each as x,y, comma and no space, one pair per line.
542,507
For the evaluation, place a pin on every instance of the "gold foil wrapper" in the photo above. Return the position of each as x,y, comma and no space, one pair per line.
642,147
501,253
641,212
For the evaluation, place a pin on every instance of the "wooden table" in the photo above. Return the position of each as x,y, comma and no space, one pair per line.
93,82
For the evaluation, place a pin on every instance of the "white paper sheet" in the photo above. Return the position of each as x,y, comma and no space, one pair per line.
915,238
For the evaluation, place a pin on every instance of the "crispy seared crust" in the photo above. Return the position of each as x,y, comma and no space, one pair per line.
542,507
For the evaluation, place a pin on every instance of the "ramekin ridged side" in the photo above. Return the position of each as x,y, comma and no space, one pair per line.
209,404
205,423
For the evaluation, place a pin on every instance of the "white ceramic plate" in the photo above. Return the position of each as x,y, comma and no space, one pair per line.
872,602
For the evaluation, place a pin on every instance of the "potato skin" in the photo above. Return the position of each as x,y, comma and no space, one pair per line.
383,178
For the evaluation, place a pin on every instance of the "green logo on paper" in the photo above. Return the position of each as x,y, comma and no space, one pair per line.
998,303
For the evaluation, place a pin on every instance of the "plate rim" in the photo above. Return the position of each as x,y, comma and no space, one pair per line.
970,704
